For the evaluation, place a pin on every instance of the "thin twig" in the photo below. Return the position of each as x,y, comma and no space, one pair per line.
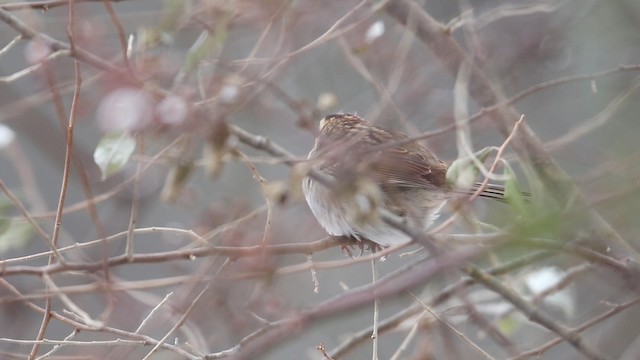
67,161
79,313
120,30
23,210
33,68
29,33
533,314
264,144
152,312
396,282
457,332
133,218
528,146
376,312
394,321
580,328
597,121
57,347
43,4
11,44
186,313
80,326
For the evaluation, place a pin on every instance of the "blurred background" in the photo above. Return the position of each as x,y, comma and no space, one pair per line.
172,77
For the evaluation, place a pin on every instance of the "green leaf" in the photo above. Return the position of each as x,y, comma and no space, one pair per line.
509,324
512,192
176,180
200,50
463,172
15,235
113,152
207,43
5,224
173,15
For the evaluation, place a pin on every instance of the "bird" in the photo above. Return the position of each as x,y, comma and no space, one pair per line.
374,167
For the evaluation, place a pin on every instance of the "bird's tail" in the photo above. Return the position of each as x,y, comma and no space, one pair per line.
494,191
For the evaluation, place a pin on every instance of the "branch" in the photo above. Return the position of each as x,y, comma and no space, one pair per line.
436,37
418,272
44,5
30,33
394,321
533,314
123,259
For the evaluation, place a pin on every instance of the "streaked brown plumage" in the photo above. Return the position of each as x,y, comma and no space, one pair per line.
374,167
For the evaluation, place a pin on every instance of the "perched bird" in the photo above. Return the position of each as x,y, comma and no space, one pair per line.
375,167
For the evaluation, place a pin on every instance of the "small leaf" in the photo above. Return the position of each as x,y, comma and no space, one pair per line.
483,153
207,44
113,152
276,191
5,224
216,147
509,324
173,14
201,49
175,181
463,172
512,192
15,235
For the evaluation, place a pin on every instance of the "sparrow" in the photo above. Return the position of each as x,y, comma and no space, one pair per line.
374,167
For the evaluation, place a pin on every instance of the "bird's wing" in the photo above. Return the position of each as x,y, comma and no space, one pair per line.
403,167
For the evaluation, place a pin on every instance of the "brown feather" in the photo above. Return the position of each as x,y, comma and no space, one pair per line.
370,149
